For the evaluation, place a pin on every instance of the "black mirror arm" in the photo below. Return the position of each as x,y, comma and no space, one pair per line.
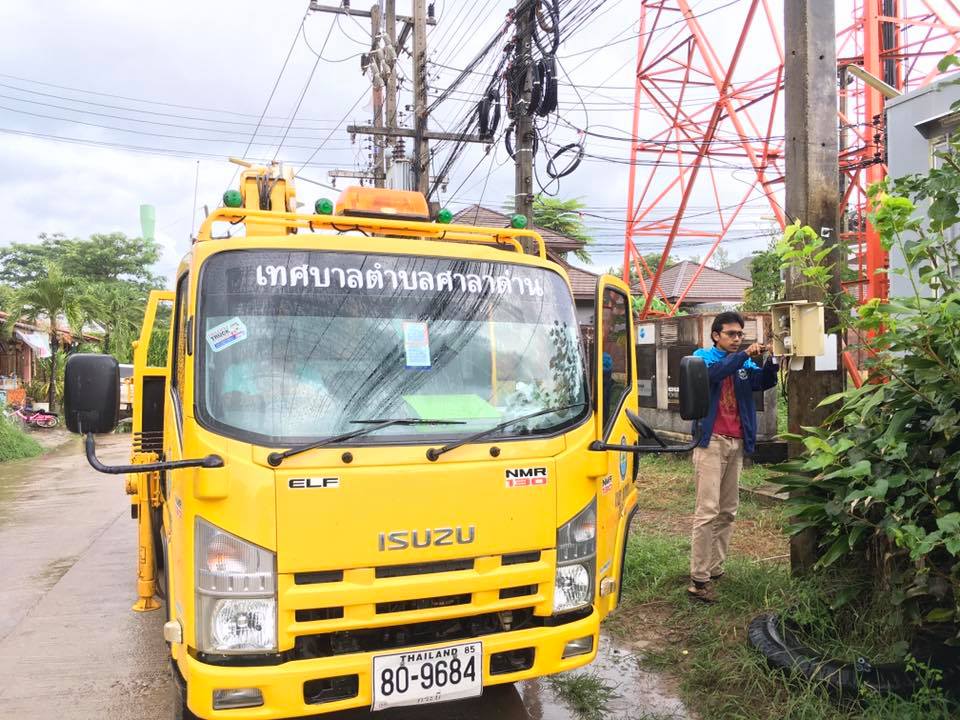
662,447
210,461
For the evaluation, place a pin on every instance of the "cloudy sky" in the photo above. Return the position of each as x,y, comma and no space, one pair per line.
105,105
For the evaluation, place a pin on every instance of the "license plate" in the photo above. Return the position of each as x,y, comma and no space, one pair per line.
419,677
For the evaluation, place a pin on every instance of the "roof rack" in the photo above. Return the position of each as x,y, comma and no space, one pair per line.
266,221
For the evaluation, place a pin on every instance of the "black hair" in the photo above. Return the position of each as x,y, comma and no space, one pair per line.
727,317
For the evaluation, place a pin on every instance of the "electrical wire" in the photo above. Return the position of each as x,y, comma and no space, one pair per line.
339,124
303,93
275,85
185,154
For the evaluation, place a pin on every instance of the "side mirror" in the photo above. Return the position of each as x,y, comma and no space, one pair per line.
694,388
91,393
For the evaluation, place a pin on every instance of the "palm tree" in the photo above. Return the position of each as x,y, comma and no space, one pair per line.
52,295
561,216
117,307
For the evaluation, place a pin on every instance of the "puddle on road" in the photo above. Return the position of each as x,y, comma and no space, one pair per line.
52,573
28,485
630,691
634,695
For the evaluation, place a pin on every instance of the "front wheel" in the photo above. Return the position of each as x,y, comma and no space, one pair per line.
180,709
48,421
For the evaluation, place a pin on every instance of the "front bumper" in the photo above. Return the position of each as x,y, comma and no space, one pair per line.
282,685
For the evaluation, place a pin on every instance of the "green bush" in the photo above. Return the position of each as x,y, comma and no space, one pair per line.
880,482
15,443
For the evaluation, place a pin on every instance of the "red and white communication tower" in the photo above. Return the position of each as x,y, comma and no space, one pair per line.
708,111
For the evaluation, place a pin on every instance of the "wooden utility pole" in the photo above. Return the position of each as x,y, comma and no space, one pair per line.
810,74
421,146
523,157
376,65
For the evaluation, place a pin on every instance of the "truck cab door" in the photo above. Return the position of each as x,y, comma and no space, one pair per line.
614,392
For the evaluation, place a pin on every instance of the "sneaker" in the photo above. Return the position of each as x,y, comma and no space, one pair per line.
702,591
718,576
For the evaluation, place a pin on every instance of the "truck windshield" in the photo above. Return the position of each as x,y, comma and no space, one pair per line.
296,346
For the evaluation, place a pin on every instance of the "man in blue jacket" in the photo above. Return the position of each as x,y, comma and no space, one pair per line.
728,433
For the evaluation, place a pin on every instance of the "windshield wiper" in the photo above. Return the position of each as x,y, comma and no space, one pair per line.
275,458
434,453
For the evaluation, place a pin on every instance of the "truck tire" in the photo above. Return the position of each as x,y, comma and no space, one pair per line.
179,688
182,712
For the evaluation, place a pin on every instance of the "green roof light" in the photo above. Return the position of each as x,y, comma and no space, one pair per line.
518,221
232,198
445,217
323,206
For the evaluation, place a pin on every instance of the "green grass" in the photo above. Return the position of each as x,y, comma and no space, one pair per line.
682,465
720,675
586,694
15,443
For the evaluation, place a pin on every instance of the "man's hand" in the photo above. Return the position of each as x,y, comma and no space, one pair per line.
755,350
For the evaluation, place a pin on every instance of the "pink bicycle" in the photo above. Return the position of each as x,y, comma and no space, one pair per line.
34,418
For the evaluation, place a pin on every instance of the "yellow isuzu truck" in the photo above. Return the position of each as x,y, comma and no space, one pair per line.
380,466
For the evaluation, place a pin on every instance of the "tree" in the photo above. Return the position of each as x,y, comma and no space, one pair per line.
561,216
879,482
104,257
52,296
651,259
766,281
118,308
720,260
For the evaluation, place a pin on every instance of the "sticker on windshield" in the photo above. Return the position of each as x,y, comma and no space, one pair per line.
228,333
416,344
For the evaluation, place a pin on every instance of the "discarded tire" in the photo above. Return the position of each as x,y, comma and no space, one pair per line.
779,644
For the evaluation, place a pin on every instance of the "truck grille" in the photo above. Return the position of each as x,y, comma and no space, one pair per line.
335,612
401,636
389,571
424,604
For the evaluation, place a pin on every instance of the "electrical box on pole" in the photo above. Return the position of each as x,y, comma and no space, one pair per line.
798,328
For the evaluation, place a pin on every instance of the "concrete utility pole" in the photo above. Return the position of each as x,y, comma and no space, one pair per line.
390,62
391,134
376,65
810,73
421,145
523,157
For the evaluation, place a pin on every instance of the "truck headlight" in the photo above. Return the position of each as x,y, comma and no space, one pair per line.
576,560
236,595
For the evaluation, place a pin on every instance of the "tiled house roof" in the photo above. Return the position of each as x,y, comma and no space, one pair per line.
479,215
711,285
582,282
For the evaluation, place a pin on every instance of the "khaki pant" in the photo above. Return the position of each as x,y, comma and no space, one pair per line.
717,470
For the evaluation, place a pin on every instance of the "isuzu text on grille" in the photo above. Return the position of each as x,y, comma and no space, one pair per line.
403,539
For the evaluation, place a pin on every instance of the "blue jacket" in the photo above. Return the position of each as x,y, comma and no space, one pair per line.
748,377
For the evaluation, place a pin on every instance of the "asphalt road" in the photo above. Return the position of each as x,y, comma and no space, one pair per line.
72,649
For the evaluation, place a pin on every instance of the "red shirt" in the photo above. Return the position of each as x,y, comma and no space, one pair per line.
728,412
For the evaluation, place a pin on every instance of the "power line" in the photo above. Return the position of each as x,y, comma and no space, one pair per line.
306,87
218,111
276,83
134,110
339,125
185,154
220,133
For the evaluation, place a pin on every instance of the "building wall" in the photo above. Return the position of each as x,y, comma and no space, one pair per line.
915,125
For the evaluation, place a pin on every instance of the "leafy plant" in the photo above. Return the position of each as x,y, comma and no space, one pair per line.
880,481
766,284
